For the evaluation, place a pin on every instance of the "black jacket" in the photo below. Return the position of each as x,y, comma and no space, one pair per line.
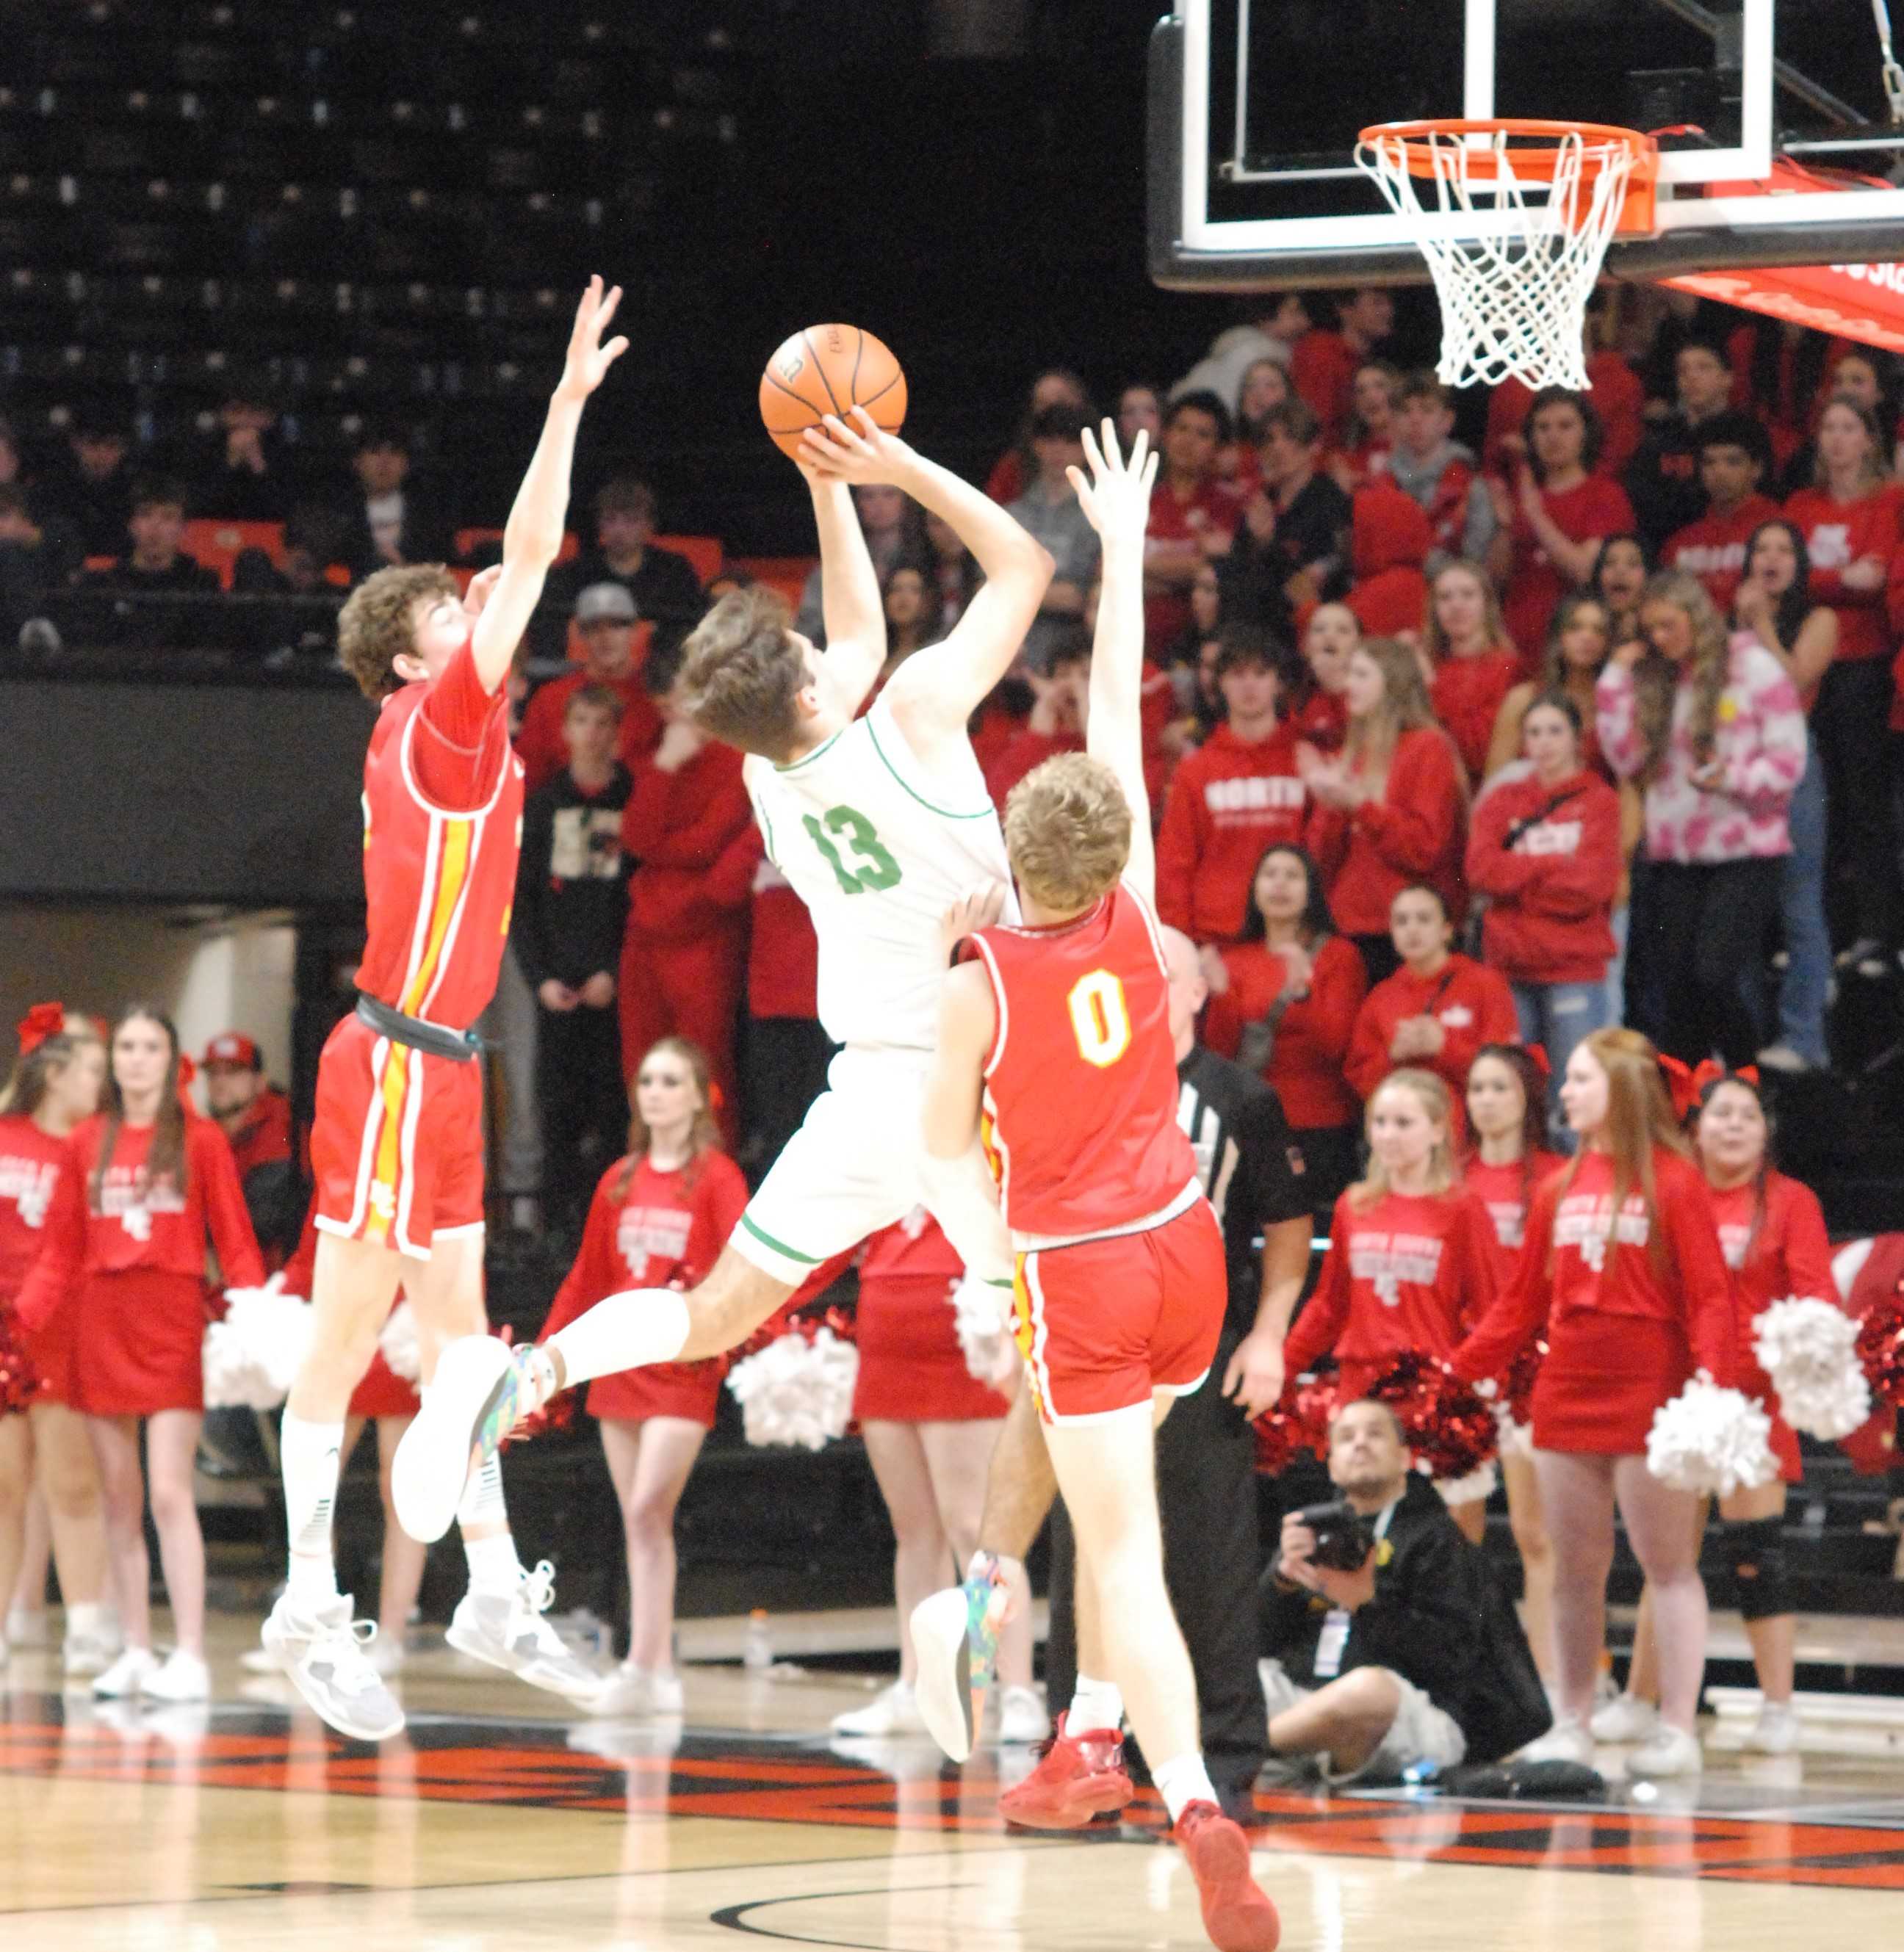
1429,1620
571,889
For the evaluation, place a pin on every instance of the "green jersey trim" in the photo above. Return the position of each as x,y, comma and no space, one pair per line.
819,750
943,812
761,1234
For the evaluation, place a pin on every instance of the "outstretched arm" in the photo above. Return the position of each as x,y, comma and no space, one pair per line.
1117,500
532,537
968,1022
936,690
850,604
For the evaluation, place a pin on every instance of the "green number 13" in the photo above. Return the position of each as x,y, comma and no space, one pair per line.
872,867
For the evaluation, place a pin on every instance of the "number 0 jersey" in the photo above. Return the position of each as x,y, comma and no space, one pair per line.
878,849
1081,1081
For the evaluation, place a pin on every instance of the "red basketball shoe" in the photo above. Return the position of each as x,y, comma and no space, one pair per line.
1236,1914
1078,1778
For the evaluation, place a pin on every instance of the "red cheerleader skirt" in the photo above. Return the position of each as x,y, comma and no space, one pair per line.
911,1369
1604,1377
689,1391
136,1334
383,1393
21,1383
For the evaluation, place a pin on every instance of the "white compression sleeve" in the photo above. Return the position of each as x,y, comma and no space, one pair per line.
628,1331
962,1197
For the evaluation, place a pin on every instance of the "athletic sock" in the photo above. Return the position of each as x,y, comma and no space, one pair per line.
1094,1704
84,1622
627,1331
310,1455
492,1560
1183,1781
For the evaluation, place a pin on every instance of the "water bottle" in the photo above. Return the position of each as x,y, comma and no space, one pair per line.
757,1656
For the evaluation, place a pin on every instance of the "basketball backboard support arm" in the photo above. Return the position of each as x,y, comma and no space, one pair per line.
1704,224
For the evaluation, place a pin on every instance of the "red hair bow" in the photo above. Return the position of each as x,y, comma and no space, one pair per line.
1542,1063
1709,1071
43,1021
1677,1078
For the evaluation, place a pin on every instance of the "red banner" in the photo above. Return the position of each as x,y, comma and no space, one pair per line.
1860,301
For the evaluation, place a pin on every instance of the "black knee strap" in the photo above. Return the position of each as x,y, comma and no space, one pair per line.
1755,1551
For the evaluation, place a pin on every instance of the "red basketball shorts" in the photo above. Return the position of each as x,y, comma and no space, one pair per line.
397,1147
1104,1324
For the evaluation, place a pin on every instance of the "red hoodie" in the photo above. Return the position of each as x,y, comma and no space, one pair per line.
1837,534
1596,506
1322,369
1312,1032
1548,859
1413,833
1470,1001
1389,539
1713,549
544,751
689,830
1229,800
1466,694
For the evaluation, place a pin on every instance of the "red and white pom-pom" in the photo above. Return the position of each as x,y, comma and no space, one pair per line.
1809,1350
796,1392
1880,1350
251,1356
980,1322
398,1340
1710,1441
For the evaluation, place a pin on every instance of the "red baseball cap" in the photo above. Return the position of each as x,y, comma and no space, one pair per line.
232,1047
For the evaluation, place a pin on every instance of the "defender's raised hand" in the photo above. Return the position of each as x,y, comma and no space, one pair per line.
1116,499
588,359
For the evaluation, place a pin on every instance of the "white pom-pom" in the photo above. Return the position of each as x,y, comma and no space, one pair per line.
251,1358
1808,1348
1517,1439
979,1320
1710,1440
1466,1490
795,1392
402,1350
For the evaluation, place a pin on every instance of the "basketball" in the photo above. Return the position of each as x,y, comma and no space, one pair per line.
826,369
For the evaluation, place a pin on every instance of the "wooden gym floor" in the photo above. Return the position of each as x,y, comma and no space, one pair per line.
501,1821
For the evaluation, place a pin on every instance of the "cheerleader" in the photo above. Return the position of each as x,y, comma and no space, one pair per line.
659,1219
1507,1095
55,1087
930,1427
388,1403
125,1267
1772,1230
1623,1271
1410,1256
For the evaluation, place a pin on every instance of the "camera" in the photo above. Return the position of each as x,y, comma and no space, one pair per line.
1343,1537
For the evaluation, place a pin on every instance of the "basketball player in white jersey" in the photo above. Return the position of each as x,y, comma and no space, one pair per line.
883,824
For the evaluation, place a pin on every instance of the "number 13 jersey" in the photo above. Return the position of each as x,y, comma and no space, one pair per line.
878,849
1080,1116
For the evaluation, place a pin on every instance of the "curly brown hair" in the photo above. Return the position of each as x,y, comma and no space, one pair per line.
741,672
1656,679
1068,832
376,627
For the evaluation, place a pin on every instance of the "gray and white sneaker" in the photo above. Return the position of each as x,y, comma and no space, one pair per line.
323,1652
507,1629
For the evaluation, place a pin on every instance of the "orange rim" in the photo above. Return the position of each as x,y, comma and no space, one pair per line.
1600,140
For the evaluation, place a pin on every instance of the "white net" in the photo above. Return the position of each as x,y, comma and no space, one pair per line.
1513,255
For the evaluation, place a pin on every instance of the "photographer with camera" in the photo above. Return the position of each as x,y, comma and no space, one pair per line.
1394,1650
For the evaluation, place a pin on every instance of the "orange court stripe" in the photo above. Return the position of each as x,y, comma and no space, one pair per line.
392,1089
452,871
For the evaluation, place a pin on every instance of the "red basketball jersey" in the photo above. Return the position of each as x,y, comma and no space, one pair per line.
1081,1081
439,879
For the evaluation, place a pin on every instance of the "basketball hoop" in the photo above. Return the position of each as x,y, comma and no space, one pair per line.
1514,232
